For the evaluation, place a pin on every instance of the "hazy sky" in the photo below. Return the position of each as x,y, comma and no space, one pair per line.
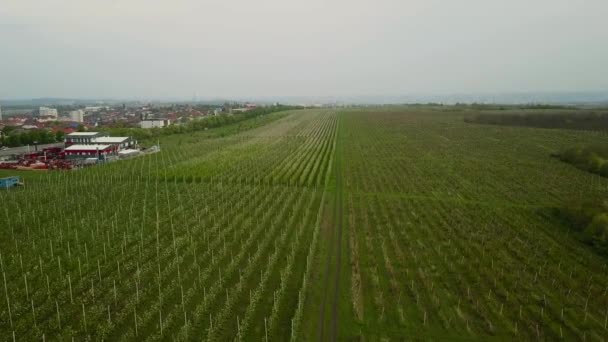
232,48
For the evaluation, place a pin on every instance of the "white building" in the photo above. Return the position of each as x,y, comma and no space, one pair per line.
77,115
99,138
82,138
45,111
154,123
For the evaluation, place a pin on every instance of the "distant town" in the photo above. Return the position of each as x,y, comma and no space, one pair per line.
25,125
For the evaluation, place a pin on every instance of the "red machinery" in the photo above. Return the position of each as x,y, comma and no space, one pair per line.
47,159
8,166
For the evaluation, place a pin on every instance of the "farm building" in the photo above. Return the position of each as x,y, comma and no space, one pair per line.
120,142
99,138
89,151
83,138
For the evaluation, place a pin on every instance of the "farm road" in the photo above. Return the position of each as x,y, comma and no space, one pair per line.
328,325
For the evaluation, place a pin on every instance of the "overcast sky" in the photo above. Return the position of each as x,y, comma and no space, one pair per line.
235,48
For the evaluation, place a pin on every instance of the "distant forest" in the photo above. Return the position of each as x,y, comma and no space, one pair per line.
576,119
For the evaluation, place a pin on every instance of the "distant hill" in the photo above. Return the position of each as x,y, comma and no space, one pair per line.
52,102
560,98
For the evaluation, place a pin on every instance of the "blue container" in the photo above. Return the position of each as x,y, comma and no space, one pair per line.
8,182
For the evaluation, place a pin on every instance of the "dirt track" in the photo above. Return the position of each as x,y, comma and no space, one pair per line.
338,224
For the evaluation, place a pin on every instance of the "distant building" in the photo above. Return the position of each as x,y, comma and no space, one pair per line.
154,123
94,109
77,115
82,138
45,111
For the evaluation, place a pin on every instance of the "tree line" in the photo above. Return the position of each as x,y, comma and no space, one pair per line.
589,158
589,221
591,120
12,138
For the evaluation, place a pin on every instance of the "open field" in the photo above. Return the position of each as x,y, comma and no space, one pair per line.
374,224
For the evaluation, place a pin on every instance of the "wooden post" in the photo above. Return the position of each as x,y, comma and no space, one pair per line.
238,328
8,302
135,319
70,284
33,312
84,318
58,315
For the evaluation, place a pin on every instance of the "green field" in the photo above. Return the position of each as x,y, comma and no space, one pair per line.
393,223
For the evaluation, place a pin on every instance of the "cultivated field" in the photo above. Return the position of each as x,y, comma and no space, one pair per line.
375,224
440,231
208,239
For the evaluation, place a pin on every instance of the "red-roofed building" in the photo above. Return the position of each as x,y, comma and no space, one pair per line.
89,151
